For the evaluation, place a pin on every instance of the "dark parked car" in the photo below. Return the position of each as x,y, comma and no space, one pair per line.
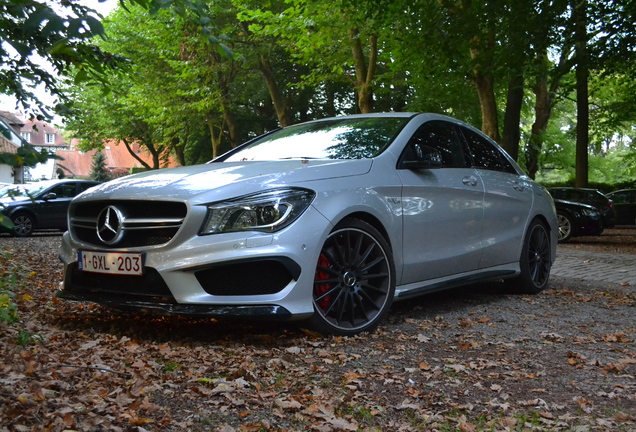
625,205
591,197
576,219
41,205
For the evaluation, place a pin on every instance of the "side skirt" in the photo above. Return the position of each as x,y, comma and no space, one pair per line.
403,292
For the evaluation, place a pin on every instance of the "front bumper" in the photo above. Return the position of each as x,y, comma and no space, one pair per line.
216,311
223,275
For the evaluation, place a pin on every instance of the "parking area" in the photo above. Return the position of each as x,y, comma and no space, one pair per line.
617,268
610,257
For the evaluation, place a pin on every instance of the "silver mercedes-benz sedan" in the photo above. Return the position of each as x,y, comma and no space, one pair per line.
328,221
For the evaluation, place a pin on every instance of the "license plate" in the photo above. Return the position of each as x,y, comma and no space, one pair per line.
118,263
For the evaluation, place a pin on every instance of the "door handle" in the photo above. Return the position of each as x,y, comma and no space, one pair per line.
470,181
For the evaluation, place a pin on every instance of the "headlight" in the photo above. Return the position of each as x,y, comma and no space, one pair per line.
591,213
264,211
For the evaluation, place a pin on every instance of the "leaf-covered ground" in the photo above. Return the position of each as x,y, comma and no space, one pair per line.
471,359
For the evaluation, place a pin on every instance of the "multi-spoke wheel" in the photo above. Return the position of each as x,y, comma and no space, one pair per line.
565,227
23,225
535,262
354,282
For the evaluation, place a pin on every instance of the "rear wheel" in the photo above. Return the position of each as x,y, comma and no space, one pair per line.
23,225
354,282
535,262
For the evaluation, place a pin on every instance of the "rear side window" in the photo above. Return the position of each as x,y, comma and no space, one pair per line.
84,186
485,154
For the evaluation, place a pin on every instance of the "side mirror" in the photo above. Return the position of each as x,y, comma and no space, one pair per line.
49,196
422,157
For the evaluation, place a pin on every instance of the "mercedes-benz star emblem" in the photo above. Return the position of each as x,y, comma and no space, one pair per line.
110,228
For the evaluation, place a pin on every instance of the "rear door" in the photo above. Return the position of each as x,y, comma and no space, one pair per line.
507,201
442,208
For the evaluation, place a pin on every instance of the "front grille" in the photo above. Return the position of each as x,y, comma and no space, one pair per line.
145,223
248,277
150,286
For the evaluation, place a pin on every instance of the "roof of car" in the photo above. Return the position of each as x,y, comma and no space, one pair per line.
573,188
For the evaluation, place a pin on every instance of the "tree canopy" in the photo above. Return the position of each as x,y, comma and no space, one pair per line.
194,78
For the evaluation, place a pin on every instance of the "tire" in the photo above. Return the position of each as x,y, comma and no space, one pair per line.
565,227
354,282
535,262
23,225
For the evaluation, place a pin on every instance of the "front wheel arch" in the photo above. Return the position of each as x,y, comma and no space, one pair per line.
354,281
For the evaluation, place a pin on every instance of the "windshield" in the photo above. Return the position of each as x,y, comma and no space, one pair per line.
346,138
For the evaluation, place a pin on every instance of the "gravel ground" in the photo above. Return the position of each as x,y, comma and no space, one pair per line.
469,359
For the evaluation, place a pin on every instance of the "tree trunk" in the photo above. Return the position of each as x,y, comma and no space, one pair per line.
488,103
179,150
544,92
134,155
365,73
542,111
216,140
330,96
512,117
228,114
481,53
582,107
280,106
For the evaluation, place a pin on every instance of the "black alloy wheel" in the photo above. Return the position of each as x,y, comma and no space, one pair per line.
354,283
535,262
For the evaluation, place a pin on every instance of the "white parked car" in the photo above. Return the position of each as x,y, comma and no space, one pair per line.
327,221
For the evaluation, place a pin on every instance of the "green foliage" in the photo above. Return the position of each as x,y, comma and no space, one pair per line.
8,309
5,222
192,100
8,286
60,37
11,277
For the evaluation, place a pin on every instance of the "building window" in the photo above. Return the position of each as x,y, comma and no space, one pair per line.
49,138
26,136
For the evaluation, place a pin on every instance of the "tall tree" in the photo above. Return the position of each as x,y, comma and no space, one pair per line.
582,108
99,170
338,41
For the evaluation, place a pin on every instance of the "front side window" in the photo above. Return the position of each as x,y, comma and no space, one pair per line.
64,190
347,138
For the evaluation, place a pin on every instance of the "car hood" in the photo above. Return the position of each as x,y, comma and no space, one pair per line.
6,201
222,180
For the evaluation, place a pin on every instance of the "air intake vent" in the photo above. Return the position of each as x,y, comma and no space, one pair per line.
248,278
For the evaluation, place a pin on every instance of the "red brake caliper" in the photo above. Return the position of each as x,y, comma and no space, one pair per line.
320,289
